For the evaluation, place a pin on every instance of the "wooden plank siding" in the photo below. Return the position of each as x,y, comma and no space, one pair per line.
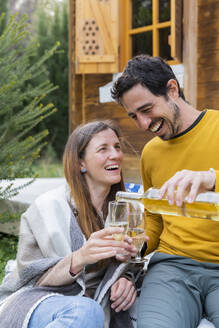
84,106
87,101
190,13
75,109
208,54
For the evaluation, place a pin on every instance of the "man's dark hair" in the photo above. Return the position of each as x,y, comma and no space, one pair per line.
151,72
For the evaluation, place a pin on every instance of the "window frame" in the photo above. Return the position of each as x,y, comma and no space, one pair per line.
126,31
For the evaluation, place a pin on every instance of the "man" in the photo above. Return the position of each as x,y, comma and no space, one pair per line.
182,280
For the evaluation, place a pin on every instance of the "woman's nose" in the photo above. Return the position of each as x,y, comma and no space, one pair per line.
114,153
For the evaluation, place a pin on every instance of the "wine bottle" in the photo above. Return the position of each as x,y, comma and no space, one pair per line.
205,206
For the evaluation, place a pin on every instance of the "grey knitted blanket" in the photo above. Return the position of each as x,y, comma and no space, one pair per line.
39,250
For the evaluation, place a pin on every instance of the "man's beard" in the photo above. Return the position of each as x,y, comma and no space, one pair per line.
174,124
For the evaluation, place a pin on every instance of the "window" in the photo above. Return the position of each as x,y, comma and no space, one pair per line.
152,27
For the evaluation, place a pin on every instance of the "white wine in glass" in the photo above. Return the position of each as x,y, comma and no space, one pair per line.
118,212
138,237
137,230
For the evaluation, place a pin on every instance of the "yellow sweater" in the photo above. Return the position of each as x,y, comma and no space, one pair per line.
197,150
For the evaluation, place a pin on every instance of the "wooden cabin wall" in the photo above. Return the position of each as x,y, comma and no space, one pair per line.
89,108
84,106
208,54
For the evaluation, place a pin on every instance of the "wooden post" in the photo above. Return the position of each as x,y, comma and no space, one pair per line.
75,81
190,50
71,59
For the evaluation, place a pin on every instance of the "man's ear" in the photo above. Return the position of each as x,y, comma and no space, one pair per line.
173,90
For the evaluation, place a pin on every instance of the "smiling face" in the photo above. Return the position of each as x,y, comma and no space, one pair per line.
157,114
103,159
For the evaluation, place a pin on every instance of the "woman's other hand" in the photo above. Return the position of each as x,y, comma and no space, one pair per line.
123,294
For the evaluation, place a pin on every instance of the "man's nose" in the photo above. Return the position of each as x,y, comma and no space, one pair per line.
143,122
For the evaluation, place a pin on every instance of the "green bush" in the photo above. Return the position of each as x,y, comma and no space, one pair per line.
21,103
8,250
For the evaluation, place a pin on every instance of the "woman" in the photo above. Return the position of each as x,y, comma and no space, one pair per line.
65,252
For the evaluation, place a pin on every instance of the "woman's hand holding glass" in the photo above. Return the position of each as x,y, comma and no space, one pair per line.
101,245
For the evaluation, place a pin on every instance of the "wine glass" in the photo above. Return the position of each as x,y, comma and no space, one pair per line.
137,230
118,212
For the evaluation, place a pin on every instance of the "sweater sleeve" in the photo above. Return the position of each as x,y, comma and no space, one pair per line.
154,222
59,274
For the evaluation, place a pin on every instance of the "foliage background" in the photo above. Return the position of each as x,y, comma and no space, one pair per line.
8,249
21,107
48,23
52,25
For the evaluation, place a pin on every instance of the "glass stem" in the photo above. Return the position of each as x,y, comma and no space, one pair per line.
138,255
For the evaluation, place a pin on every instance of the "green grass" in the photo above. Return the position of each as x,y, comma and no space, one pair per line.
49,165
46,168
8,250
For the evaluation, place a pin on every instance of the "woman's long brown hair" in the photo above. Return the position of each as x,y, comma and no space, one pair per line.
88,218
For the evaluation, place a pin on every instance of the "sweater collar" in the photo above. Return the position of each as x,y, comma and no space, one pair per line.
191,126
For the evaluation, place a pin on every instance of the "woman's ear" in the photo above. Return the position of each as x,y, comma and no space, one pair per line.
82,168
173,89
